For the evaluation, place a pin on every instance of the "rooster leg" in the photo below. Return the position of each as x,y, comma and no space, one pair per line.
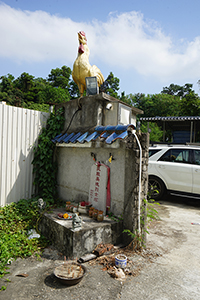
81,88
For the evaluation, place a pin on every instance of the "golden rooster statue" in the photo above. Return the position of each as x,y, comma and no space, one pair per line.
82,67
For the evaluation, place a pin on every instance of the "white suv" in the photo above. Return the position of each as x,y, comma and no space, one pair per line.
174,169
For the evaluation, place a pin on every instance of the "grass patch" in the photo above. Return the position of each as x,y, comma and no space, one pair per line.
16,219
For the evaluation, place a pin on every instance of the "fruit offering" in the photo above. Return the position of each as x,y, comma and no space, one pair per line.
65,216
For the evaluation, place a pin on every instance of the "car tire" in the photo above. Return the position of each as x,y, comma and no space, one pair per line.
156,188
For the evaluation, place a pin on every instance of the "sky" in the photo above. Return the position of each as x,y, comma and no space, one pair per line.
147,44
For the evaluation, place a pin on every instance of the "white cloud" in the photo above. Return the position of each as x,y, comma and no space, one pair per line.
131,43
125,40
36,36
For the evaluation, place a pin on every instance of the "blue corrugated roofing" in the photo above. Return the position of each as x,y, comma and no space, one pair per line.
105,133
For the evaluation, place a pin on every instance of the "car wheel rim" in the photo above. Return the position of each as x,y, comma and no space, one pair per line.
154,188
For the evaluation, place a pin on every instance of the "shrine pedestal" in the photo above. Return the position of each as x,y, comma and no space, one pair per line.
75,243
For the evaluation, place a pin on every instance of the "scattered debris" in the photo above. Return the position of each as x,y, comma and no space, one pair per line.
22,275
117,273
33,234
86,258
102,248
136,260
10,261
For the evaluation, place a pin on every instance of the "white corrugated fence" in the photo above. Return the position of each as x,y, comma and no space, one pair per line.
19,130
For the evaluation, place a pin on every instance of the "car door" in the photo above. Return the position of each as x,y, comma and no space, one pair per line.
196,172
176,169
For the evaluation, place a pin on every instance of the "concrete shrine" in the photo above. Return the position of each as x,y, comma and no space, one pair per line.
99,161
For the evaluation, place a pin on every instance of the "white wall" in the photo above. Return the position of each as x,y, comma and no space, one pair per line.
19,129
74,171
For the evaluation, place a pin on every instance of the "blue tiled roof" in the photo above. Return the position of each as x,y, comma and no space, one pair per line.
109,134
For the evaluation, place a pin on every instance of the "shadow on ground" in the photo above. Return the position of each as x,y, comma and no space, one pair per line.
170,200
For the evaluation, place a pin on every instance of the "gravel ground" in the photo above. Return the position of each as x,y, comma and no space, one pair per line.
168,269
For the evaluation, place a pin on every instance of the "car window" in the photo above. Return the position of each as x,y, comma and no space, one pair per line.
153,151
197,157
177,156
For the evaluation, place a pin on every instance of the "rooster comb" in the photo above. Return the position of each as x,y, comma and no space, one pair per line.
83,33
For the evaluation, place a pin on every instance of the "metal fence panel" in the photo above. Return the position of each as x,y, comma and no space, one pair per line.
19,131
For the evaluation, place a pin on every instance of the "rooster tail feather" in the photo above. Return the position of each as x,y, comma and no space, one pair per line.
100,79
94,71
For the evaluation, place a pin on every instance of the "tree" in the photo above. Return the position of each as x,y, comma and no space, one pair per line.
60,77
6,83
111,86
26,85
155,105
8,90
177,90
24,82
125,98
73,90
53,95
156,134
190,105
138,100
36,93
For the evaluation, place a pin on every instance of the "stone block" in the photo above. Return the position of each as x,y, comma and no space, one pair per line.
75,243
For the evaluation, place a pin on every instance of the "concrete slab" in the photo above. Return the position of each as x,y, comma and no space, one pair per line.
75,243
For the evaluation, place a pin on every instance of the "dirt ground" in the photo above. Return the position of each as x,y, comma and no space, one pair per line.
168,269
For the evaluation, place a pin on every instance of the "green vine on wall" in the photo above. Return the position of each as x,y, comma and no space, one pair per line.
44,166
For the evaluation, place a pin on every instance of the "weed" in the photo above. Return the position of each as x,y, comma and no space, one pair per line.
115,218
15,221
136,239
148,214
152,213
